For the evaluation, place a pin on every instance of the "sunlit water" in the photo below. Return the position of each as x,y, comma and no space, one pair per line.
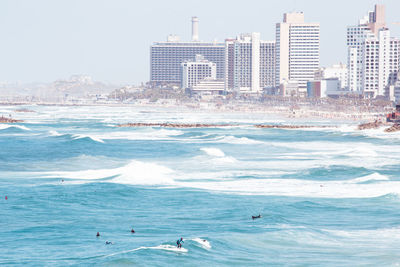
327,196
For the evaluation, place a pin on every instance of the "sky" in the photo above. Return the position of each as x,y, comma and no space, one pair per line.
46,40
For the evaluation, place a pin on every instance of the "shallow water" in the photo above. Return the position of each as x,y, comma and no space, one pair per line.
327,196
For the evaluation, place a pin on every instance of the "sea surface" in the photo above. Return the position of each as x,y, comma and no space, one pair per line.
328,196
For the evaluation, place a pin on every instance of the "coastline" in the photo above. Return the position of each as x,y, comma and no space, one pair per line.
287,110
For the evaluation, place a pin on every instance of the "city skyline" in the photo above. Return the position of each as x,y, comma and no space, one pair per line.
107,40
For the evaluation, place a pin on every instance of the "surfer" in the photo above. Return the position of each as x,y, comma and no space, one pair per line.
256,217
109,243
98,234
132,231
179,242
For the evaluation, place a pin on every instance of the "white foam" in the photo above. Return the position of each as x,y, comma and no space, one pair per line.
372,177
81,136
142,173
6,126
299,188
160,247
54,133
382,234
239,140
156,134
203,242
212,151
169,248
134,173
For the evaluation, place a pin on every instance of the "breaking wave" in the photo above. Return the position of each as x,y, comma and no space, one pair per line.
8,126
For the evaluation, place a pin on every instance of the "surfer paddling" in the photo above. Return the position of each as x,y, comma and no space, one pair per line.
256,217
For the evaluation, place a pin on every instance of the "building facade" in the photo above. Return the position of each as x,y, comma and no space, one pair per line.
373,55
297,50
338,71
250,63
323,88
166,59
195,71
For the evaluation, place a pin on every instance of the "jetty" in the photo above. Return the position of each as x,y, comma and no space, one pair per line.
8,120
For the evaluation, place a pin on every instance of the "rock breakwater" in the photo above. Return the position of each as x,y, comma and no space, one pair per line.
8,120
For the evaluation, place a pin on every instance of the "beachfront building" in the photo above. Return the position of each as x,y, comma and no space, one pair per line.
166,57
323,88
373,55
197,70
393,94
297,50
338,71
289,88
209,86
249,63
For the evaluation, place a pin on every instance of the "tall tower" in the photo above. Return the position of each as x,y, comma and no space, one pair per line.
195,29
297,50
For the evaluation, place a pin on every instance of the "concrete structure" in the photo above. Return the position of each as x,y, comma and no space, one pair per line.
195,29
249,63
195,71
323,88
209,86
373,55
297,50
166,57
339,71
393,94
289,88
380,63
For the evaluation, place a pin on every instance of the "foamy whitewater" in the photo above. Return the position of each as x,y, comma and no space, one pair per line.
328,196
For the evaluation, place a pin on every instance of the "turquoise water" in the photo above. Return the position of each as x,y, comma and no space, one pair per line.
327,196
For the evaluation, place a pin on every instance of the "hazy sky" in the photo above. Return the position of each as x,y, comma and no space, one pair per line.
44,40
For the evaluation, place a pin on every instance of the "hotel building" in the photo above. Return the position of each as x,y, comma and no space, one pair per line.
250,63
297,50
166,57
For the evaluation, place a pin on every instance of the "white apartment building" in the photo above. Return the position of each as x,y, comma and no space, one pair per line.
297,50
195,71
373,55
339,71
381,63
249,63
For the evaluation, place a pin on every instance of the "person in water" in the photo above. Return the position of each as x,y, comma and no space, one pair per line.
98,234
179,242
132,231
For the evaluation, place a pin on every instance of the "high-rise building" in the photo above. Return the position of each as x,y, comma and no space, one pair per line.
373,55
195,71
297,50
166,57
249,63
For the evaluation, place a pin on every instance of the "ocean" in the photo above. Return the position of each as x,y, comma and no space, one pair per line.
327,196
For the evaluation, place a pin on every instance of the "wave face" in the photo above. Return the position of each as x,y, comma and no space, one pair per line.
328,196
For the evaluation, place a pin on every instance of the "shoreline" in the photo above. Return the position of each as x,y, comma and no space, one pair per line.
329,112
